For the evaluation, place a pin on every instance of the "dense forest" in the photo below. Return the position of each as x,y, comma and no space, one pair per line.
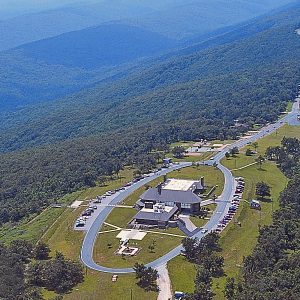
26,268
99,130
272,271
54,47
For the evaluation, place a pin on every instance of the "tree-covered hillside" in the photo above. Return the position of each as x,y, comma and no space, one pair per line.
105,45
192,17
54,67
222,83
186,97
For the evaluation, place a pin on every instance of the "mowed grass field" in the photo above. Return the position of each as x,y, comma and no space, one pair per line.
107,244
237,241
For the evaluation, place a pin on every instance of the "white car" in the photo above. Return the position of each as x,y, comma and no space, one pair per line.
204,230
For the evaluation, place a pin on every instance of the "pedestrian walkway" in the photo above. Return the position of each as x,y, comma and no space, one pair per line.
164,283
190,226
113,226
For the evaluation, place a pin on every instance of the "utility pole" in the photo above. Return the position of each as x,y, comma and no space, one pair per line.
131,296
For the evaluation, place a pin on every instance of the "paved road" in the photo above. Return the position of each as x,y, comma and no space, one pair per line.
223,202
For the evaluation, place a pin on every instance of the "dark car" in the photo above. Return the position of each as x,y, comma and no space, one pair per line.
86,213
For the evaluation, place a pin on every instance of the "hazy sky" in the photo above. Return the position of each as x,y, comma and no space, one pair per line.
17,4
10,8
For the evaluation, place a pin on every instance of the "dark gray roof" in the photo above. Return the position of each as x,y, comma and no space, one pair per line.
186,197
156,216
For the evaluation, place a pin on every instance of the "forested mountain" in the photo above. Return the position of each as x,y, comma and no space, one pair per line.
92,48
224,82
54,67
33,27
201,16
174,18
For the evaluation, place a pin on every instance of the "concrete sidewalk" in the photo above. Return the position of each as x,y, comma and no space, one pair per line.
164,283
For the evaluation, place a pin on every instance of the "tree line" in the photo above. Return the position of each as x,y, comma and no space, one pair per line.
27,268
204,254
272,270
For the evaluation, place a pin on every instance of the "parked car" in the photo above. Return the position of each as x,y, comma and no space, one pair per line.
86,213
204,230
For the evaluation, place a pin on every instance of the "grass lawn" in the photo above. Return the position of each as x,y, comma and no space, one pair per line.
199,222
236,241
275,138
182,274
33,230
107,244
99,286
191,158
120,216
185,144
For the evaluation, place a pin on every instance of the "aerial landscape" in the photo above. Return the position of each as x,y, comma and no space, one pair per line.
150,149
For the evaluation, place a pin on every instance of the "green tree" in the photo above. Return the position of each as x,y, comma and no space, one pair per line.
227,155
146,276
23,249
263,190
203,276
229,291
152,246
41,251
260,161
202,292
178,151
255,145
191,248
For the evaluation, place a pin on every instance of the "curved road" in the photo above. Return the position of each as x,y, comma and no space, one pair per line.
223,202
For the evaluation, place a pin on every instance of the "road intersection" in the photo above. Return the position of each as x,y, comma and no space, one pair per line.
223,203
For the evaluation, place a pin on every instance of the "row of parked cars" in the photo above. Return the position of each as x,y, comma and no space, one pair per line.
80,222
235,202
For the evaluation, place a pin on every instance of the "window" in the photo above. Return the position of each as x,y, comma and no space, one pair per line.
184,205
170,203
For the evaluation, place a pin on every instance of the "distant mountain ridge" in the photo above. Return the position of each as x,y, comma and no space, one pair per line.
176,19
54,67
91,48
252,76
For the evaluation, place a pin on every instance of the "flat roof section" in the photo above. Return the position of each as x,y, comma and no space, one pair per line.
156,216
132,234
179,184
